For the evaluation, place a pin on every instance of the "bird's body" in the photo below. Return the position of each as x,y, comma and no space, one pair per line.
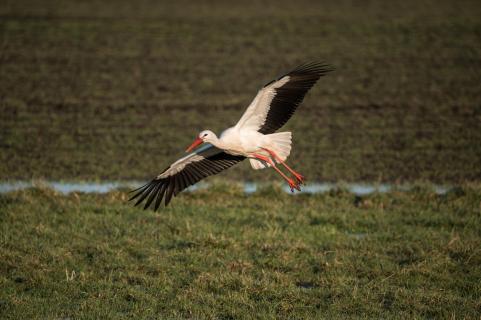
253,137
246,142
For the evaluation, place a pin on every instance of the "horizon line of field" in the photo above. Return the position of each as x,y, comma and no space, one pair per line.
356,188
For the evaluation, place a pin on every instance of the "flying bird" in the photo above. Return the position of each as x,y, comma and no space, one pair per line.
253,137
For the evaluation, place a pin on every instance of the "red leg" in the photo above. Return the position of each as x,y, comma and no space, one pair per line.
298,176
291,183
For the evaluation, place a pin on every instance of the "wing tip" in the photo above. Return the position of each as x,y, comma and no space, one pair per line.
314,67
319,68
153,190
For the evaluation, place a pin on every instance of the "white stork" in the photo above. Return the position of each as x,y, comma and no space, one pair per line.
252,137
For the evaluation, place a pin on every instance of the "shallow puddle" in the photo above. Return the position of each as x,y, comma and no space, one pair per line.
249,187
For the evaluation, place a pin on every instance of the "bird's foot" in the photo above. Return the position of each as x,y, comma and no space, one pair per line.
293,185
300,179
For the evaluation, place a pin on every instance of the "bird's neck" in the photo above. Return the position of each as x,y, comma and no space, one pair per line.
216,142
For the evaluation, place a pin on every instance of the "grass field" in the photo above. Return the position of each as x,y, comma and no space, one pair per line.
225,255
96,90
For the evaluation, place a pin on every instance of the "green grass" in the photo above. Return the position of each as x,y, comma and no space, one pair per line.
225,255
96,90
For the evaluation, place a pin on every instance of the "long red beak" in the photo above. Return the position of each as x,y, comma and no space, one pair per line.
194,144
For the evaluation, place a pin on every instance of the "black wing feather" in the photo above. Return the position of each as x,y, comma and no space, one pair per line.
160,196
176,184
145,193
168,187
290,95
152,196
190,179
170,190
192,176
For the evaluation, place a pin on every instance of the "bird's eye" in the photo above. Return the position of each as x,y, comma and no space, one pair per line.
205,134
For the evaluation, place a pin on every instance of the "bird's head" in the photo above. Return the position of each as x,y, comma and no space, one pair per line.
204,136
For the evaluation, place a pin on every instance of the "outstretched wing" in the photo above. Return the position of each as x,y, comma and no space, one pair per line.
277,101
183,173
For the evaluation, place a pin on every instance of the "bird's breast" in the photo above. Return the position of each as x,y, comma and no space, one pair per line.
241,142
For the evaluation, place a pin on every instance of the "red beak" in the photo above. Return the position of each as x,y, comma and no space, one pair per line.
194,144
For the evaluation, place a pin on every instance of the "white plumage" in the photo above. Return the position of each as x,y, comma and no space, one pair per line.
253,137
280,143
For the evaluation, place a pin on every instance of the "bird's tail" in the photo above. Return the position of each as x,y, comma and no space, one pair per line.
280,143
